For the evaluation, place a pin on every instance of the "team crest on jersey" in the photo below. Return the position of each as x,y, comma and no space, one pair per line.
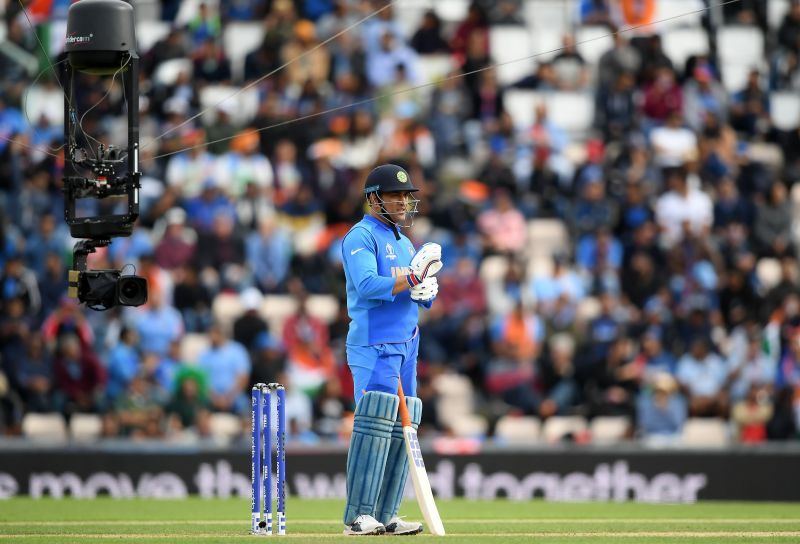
390,252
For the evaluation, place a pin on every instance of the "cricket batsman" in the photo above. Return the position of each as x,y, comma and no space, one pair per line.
387,280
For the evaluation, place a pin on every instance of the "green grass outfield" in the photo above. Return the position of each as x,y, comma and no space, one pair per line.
197,520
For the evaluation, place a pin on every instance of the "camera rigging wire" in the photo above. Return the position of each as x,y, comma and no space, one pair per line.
108,91
442,80
276,70
50,150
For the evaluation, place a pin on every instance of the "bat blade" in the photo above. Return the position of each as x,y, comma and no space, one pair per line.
422,486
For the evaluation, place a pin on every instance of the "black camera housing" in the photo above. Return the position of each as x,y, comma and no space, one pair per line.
101,40
103,289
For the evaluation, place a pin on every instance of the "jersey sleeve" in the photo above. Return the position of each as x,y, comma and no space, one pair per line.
361,261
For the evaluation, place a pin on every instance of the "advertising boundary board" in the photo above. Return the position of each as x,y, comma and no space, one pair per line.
670,476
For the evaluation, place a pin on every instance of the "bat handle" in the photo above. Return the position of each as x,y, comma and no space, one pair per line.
405,418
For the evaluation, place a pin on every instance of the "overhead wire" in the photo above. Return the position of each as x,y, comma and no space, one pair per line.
442,80
25,96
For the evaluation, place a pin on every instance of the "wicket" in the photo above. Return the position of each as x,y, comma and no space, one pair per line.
261,457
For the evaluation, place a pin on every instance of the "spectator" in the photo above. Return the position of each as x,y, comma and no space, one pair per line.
751,416
269,358
268,255
34,372
516,342
569,66
220,255
248,326
475,24
210,64
557,293
663,99
179,242
789,31
383,61
139,408
123,364
189,409
558,373
80,377
682,210
661,410
502,226
205,25
772,226
227,368
158,324
303,59
428,40
622,58
703,376
703,96
19,282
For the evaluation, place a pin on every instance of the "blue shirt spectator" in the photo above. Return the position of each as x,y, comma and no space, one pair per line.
158,324
702,372
661,412
268,254
227,367
123,364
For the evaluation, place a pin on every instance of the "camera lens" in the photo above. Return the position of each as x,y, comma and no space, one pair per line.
132,291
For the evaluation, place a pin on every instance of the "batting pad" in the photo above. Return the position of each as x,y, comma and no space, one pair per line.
394,478
369,446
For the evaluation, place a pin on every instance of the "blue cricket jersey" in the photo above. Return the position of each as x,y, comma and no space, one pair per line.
373,258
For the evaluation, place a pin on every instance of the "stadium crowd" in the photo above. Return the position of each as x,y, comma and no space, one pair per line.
646,268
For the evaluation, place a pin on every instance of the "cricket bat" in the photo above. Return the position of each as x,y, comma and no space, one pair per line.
422,486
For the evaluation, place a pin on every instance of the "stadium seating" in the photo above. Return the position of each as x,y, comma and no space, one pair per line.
451,11
44,101
246,101
702,432
225,309
556,428
168,71
48,427
323,307
148,33
609,429
768,272
85,427
518,429
511,43
592,41
276,309
224,427
681,43
785,109
146,11
549,14
455,403
679,12
546,237
493,268
192,345
571,111
469,426
776,11
239,39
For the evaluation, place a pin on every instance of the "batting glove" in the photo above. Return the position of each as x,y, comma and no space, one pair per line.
426,290
426,263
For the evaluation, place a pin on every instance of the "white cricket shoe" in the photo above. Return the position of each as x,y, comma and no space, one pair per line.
365,525
398,526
